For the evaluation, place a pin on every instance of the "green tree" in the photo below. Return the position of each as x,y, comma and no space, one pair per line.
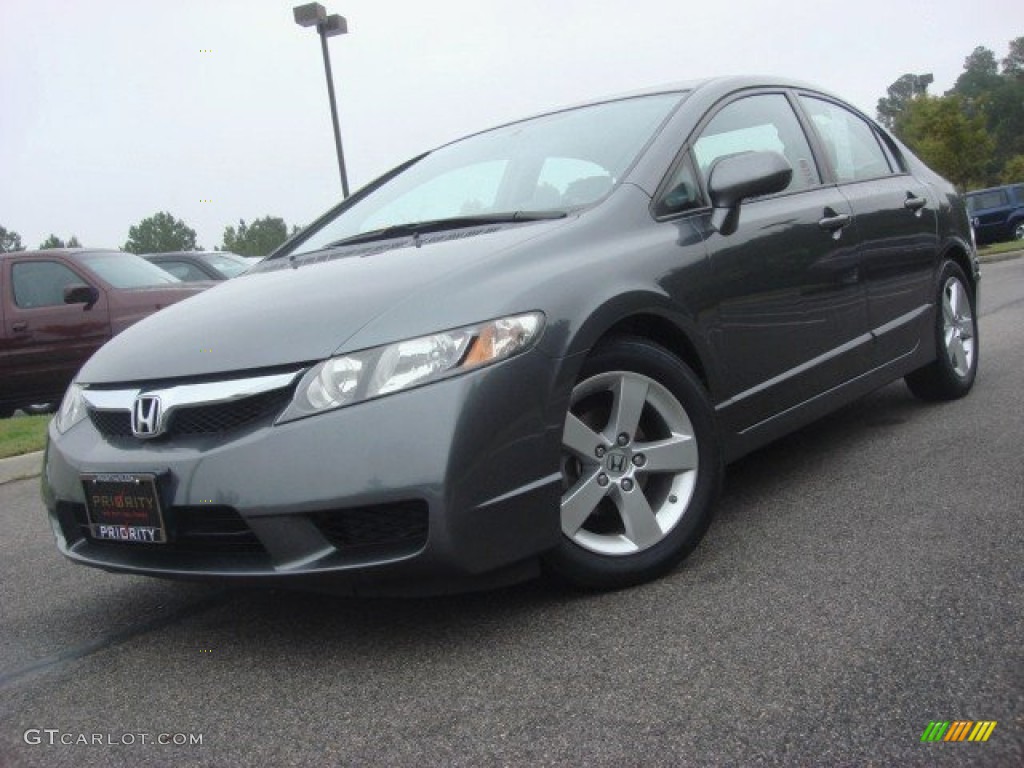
992,102
10,241
256,239
1013,171
1013,64
55,242
945,136
980,75
1004,115
900,93
159,233
999,98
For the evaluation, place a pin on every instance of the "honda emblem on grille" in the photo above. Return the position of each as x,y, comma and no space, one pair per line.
146,416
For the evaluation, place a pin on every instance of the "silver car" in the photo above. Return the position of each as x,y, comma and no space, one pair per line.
533,349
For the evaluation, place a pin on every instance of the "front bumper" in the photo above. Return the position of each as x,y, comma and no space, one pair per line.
436,488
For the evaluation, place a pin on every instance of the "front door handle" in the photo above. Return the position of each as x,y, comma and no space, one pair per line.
914,203
19,327
838,221
834,222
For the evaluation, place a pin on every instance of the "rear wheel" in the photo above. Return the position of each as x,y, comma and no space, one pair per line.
641,467
951,375
1018,231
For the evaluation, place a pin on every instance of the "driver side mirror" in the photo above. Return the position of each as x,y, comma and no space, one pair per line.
80,293
734,178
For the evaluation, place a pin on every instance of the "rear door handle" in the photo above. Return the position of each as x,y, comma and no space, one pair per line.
18,327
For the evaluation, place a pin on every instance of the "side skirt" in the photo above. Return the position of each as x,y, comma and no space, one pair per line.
751,438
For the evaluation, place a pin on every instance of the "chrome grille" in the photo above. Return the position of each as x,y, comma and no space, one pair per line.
223,417
200,419
112,423
203,408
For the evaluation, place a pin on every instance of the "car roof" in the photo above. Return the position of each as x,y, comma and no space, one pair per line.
724,83
993,189
713,87
183,254
69,252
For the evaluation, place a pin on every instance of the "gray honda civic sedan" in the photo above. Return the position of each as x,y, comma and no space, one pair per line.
530,350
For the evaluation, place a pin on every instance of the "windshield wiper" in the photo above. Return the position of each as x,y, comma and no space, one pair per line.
439,225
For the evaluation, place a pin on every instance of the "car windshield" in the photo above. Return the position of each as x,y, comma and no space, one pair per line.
126,270
556,162
232,266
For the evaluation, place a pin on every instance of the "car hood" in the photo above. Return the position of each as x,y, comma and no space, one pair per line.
281,315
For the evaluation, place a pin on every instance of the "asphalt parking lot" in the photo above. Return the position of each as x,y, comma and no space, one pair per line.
863,578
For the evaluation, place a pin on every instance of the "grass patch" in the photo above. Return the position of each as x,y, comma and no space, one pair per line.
23,434
997,248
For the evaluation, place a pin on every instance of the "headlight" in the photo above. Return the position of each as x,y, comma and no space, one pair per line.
72,409
371,373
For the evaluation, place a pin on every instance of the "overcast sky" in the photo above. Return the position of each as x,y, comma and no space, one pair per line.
215,110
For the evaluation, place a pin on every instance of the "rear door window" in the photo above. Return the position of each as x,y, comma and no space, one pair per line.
852,146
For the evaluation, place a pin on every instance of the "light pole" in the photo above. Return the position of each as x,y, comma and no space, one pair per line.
314,14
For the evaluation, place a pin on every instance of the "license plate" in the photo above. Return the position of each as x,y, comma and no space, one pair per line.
124,507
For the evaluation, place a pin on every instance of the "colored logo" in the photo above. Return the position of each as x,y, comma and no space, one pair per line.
958,730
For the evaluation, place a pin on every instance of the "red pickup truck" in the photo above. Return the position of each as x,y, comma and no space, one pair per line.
59,306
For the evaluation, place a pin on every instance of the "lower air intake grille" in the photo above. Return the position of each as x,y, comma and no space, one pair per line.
402,525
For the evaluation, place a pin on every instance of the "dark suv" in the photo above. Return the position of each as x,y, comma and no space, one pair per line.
997,213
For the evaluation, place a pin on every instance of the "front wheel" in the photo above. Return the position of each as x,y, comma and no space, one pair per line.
951,375
641,467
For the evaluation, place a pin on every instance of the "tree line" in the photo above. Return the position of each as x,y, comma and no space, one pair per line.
974,133
162,232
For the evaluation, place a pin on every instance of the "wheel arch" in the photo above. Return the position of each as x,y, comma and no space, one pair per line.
1015,220
647,317
665,333
958,253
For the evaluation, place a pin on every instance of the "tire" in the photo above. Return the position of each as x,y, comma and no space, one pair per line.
6,412
1018,230
641,467
951,375
40,408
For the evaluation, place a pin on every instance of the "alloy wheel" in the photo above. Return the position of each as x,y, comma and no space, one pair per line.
957,327
629,463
